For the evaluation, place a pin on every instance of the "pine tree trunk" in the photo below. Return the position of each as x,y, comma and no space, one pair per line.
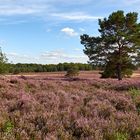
119,71
119,68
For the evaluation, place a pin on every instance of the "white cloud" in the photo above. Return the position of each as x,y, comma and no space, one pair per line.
77,49
131,2
14,22
62,56
82,29
17,55
53,54
50,57
45,9
71,2
13,54
20,58
69,31
77,16
9,10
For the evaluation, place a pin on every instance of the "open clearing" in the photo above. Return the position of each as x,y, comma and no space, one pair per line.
61,75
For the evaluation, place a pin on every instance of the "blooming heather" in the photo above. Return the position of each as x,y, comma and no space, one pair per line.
37,108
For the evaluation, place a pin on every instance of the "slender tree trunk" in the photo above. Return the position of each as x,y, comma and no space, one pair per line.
119,75
119,68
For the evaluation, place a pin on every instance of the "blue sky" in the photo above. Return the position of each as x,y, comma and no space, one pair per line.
48,31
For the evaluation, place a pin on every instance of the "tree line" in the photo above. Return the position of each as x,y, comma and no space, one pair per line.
6,67
19,68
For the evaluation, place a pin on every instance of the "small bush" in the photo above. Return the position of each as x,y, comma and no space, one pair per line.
8,127
109,73
116,136
135,94
72,72
16,71
127,73
13,81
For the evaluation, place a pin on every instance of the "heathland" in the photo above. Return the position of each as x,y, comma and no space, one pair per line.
49,106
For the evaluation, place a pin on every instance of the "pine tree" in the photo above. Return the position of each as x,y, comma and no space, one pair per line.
118,46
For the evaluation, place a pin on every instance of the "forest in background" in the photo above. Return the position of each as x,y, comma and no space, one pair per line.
18,68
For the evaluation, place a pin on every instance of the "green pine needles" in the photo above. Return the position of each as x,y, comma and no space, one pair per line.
118,46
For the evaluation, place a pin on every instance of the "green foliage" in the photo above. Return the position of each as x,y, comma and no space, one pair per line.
3,63
110,69
135,94
127,72
8,127
72,72
19,68
117,136
118,46
16,71
121,136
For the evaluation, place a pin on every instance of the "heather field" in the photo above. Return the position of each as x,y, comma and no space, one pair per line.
48,106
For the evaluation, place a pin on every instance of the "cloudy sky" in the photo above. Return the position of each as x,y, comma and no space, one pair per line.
48,31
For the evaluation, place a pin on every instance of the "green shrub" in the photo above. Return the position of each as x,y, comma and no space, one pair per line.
110,72
116,136
8,127
135,94
72,72
121,136
4,67
16,71
127,73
